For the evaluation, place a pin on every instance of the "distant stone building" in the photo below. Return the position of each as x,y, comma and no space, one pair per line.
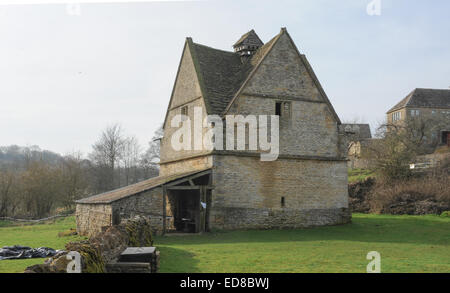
359,139
430,104
230,189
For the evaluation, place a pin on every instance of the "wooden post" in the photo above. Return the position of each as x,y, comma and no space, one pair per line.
203,213
164,194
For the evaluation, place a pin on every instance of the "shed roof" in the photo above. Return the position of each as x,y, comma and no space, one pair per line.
146,185
425,98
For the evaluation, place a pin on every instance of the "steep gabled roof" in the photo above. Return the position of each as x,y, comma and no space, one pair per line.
425,98
252,66
222,75
258,59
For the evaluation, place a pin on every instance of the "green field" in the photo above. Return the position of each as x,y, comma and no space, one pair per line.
37,235
406,244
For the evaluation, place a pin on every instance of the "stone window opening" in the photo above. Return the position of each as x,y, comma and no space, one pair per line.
396,116
415,112
278,108
283,109
184,111
283,202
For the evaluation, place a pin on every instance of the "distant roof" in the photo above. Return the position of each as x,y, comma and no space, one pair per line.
425,98
146,185
361,131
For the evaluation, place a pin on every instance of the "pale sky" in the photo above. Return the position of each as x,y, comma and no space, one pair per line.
64,77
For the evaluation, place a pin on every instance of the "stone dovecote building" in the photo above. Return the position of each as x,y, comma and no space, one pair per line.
225,189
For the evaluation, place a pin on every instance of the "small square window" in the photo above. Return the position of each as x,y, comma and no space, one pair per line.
283,109
184,110
278,108
415,112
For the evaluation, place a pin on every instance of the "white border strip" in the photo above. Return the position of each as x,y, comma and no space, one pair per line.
31,2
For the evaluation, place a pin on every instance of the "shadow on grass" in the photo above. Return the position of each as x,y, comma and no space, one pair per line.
180,261
370,228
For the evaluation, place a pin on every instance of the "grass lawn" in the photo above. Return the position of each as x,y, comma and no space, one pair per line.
406,244
355,175
37,235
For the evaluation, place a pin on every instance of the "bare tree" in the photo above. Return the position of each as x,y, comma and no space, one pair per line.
108,150
401,143
74,184
40,189
130,159
150,159
7,180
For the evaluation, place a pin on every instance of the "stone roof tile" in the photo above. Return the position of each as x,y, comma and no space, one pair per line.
425,98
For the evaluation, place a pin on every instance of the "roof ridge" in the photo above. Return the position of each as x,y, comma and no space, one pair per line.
200,78
403,103
431,89
424,98
212,48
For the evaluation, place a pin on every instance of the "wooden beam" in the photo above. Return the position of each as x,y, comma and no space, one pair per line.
164,209
191,182
183,187
189,178
203,211
187,187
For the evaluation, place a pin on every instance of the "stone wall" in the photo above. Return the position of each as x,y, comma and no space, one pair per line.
308,127
168,153
186,165
309,131
92,217
248,193
186,93
148,204
283,73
